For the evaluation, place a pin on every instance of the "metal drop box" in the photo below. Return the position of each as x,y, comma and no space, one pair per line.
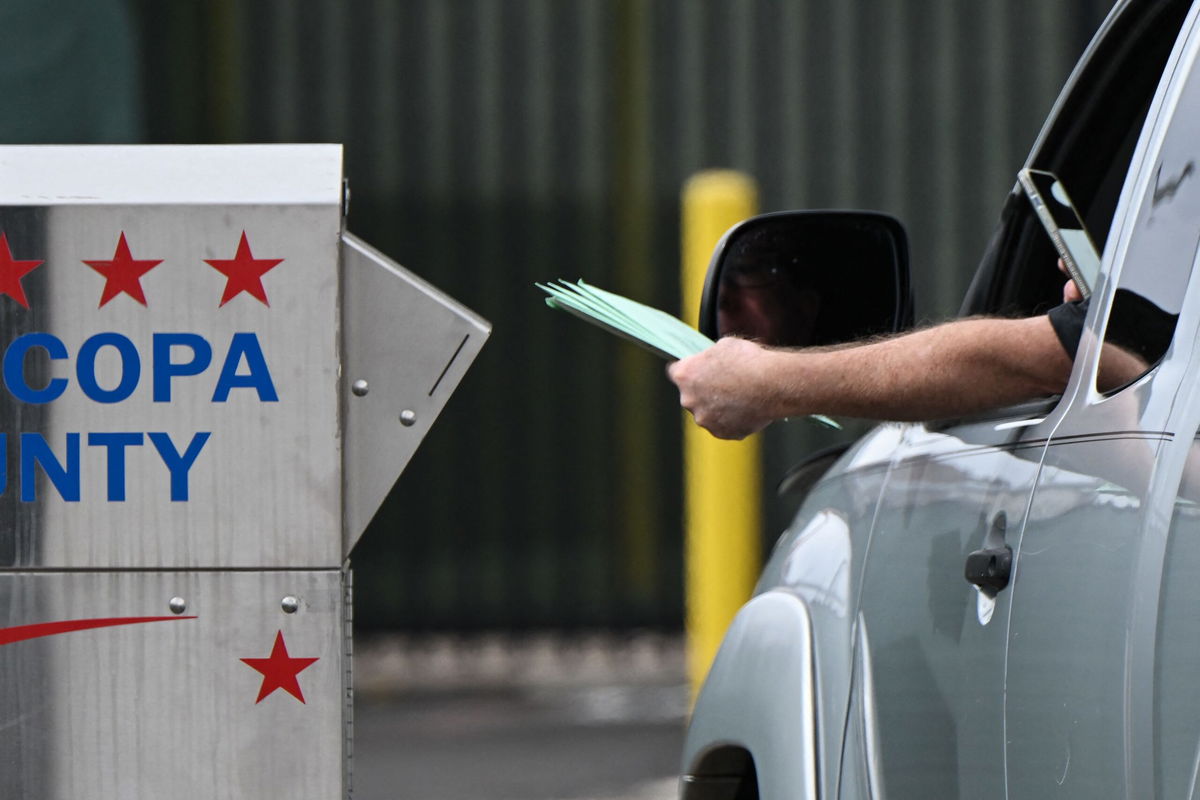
209,388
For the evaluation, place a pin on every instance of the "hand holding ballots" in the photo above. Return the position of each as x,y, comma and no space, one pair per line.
649,328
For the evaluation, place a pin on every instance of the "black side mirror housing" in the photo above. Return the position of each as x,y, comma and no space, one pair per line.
809,278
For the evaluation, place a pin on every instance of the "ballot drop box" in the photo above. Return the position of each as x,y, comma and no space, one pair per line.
209,388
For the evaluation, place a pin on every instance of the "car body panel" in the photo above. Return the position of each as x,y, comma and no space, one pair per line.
819,560
938,645
769,644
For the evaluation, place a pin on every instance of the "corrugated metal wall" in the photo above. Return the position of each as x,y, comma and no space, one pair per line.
494,143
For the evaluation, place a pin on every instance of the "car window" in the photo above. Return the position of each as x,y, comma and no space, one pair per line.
1089,145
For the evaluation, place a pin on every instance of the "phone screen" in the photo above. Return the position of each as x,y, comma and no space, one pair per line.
1065,226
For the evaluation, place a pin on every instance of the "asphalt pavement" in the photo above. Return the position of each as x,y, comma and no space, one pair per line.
540,720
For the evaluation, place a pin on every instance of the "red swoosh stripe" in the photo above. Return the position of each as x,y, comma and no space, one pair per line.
22,632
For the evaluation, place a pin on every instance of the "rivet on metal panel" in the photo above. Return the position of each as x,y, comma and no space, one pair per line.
290,605
177,605
408,418
360,388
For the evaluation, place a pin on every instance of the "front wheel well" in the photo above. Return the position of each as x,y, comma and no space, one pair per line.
723,773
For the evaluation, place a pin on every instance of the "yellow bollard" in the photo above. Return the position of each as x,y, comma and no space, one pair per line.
722,480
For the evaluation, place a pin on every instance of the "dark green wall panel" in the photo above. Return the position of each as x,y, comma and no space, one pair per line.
492,143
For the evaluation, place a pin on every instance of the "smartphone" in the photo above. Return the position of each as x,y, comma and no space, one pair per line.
1065,226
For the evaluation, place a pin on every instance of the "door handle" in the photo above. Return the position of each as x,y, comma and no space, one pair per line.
989,568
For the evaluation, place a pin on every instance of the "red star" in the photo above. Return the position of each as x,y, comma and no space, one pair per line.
123,273
280,670
244,272
11,272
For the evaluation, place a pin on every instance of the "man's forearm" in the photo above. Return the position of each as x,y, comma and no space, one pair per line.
958,368
736,387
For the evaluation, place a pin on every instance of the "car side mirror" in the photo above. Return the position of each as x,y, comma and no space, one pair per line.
807,278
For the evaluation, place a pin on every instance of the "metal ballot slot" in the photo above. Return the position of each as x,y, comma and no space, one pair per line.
208,389
407,347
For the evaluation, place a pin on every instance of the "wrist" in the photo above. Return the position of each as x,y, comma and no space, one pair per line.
781,389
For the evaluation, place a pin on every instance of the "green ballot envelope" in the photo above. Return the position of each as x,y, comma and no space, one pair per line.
654,330
649,328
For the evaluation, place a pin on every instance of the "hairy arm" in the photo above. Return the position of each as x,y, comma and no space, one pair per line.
737,387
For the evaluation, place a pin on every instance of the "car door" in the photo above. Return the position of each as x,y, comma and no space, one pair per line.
1081,654
932,643
929,707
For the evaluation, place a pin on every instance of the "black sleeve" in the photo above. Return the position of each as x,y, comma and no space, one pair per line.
1067,321
1134,324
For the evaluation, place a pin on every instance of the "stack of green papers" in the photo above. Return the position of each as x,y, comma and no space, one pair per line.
654,330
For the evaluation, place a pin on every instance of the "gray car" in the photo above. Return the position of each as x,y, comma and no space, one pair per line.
1007,605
